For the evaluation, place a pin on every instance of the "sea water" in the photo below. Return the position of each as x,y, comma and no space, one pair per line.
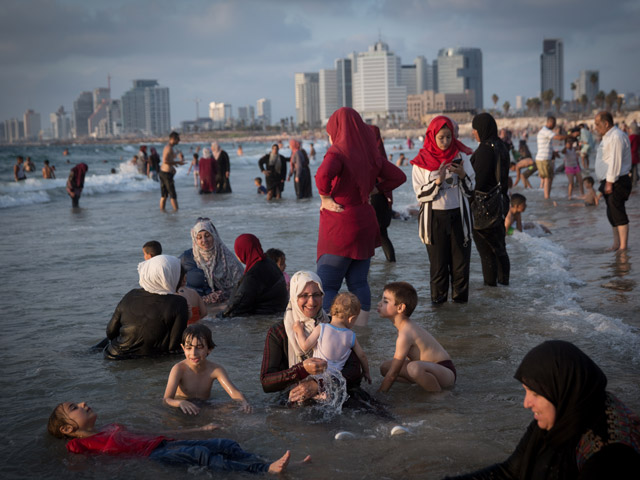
65,270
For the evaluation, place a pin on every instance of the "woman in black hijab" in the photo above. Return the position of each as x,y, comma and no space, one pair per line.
491,164
579,430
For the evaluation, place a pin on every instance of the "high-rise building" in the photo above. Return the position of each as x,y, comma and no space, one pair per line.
221,114
459,70
246,115
307,87
328,93
377,92
519,102
588,84
82,110
409,78
146,108
14,130
552,67
60,124
263,109
32,125
344,82
100,94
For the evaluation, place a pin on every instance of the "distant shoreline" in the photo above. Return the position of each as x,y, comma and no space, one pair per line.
512,123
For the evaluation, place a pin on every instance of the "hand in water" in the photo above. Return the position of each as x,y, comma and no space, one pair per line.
189,408
303,391
314,366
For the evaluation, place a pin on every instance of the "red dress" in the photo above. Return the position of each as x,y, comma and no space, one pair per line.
208,170
354,232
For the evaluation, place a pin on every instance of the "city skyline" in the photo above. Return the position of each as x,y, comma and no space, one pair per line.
238,52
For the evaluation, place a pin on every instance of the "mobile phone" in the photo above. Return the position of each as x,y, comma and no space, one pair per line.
457,161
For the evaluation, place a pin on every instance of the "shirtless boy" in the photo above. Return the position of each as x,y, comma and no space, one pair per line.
48,171
193,377
168,170
419,358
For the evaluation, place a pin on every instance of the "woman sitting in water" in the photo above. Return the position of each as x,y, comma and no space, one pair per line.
149,320
284,364
579,430
212,270
262,289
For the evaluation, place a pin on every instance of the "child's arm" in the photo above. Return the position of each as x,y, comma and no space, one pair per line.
518,221
309,342
363,360
220,374
170,393
508,220
205,428
403,344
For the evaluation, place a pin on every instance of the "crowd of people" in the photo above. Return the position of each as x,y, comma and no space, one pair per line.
579,430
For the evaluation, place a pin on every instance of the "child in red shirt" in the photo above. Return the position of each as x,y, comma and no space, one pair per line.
77,421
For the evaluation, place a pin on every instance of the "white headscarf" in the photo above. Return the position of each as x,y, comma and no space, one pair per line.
206,153
293,314
216,150
221,267
160,274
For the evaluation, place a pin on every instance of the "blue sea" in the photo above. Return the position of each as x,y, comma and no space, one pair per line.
66,269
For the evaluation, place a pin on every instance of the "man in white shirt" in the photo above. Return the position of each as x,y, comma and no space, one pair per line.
613,164
544,155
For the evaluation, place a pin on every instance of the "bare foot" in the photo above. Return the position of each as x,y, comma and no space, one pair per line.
307,459
614,248
280,465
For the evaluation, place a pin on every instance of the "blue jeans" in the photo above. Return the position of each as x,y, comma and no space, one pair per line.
332,269
218,454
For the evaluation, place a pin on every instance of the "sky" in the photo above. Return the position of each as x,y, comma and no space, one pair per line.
237,51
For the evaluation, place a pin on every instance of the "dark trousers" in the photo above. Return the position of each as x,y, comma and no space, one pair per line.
449,256
381,205
492,248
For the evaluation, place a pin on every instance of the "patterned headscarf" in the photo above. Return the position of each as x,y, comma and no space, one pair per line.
221,268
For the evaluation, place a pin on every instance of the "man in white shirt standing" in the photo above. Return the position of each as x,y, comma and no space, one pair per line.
544,155
613,164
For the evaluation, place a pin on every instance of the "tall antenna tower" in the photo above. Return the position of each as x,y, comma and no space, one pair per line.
197,100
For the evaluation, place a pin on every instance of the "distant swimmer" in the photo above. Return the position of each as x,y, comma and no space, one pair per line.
48,171
29,166
18,169
65,152
239,152
168,170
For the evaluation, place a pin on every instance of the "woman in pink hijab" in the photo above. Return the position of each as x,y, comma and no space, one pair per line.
349,233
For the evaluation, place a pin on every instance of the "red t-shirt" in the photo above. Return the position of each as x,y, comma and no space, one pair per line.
114,439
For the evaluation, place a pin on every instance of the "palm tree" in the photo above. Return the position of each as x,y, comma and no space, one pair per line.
573,95
495,99
584,101
600,96
611,99
506,106
557,102
547,98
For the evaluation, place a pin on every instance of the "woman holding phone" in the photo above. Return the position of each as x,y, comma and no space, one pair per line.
443,182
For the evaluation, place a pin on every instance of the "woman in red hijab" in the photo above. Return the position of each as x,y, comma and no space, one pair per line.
349,233
75,183
262,289
444,182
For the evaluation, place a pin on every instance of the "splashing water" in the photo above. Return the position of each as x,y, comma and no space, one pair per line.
332,393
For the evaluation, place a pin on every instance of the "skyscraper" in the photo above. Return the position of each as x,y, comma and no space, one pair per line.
588,84
221,113
328,93
409,78
344,81
460,69
82,110
552,67
100,94
307,87
145,108
263,108
31,125
60,124
377,92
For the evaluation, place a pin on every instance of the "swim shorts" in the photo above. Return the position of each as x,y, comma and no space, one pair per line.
449,364
545,167
571,170
530,171
167,186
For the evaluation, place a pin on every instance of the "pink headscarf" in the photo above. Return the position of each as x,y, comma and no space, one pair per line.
430,157
354,140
